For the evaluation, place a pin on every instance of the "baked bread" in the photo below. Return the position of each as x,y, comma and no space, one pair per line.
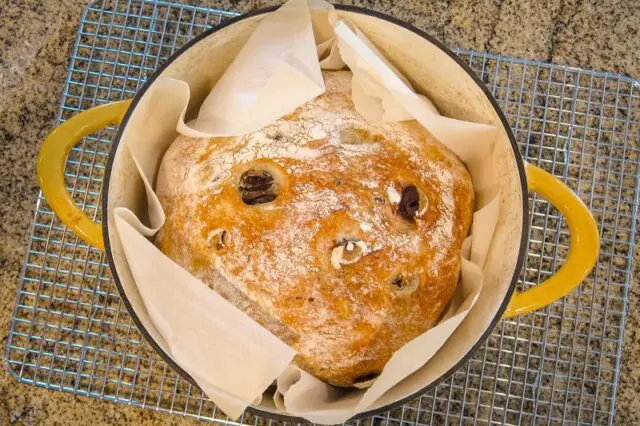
340,236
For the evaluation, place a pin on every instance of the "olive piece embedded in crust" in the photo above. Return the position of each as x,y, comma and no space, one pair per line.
348,252
222,240
257,187
404,285
409,204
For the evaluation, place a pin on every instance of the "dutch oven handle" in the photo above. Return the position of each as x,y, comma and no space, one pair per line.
52,160
583,249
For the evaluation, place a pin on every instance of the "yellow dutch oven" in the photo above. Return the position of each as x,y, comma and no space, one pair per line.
433,70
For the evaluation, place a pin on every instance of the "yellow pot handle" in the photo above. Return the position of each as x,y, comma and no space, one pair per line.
52,160
583,249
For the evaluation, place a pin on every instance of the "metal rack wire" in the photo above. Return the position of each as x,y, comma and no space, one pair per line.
71,331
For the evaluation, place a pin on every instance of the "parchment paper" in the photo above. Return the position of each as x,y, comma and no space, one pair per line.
231,357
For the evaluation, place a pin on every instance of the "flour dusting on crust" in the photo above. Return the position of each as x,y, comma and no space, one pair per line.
338,181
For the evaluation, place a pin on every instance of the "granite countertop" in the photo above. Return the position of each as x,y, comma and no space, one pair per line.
36,38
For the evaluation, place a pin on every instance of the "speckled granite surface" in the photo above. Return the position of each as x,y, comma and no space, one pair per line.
589,34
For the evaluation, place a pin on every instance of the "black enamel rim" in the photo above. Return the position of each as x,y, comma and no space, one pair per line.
443,48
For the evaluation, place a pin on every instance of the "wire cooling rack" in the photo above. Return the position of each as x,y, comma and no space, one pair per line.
560,365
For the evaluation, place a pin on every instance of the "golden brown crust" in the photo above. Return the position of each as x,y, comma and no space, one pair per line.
336,179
